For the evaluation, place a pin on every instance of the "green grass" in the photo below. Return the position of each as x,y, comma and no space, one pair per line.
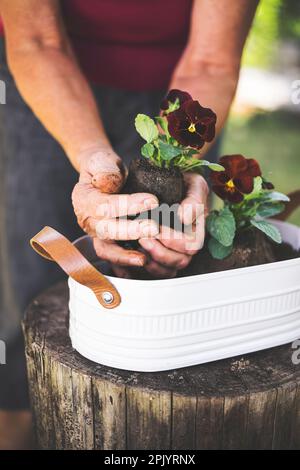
274,140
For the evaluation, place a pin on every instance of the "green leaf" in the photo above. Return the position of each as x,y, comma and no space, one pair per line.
173,141
269,209
193,164
257,188
216,167
167,151
212,166
189,163
173,106
221,226
191,152
148,150
217,250
276,196
163,124
146,127
268,229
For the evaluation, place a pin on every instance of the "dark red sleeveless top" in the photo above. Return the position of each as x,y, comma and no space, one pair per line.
130,44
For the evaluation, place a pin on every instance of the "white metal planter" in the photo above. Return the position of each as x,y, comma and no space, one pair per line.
167,324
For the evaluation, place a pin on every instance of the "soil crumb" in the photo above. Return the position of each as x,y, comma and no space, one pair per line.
240,365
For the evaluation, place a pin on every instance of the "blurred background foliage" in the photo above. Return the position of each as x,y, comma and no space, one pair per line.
261,45
275,21
288,19
272,137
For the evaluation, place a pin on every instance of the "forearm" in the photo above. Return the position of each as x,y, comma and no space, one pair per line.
45,69
52,85
209,66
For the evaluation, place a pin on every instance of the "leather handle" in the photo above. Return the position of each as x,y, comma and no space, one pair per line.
55,247
291,206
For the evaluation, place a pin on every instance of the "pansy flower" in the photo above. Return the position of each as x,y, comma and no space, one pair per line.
172,96
237,179
192,125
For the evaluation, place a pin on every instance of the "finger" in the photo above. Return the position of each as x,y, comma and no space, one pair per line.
90,202
121,272
117,255
119,205
104,170
163,255
159,271
189,243
122,229
108,182
195,202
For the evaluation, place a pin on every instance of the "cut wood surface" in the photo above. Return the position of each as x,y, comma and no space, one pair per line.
249,402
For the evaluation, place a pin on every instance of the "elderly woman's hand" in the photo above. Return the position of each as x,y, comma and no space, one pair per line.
171,251
98,206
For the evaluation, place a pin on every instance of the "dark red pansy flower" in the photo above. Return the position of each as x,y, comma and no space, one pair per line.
237,179
192,125
172,96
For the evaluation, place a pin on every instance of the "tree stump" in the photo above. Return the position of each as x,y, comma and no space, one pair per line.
240,403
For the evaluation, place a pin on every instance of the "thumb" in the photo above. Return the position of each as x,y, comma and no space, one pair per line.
195,202
107,171
109,180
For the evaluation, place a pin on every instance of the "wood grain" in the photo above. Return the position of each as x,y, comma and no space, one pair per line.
184,411
109,415
148,419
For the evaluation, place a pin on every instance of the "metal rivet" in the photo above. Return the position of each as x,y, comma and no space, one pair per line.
108,297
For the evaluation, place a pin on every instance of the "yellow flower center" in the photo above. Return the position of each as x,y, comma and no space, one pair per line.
192,127
230,185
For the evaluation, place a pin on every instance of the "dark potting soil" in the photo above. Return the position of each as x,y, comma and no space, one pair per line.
166,184
202,263
251,249
246,253
284,251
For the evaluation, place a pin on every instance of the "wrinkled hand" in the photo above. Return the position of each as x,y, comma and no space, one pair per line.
171,251
98,205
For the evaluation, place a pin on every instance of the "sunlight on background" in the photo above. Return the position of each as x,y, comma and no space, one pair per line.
264,122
